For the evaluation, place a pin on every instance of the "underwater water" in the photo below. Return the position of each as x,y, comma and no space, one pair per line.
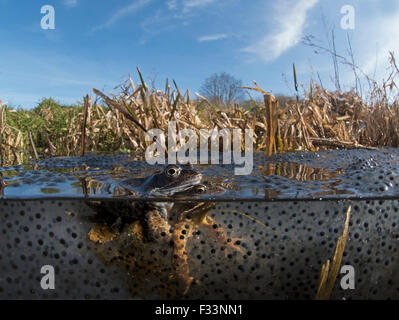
278,226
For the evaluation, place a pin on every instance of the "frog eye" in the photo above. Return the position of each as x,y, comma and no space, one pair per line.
200,189
172,171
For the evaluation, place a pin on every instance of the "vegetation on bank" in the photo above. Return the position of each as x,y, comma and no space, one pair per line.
55,130
118,122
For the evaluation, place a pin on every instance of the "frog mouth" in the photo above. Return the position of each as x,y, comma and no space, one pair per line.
180,187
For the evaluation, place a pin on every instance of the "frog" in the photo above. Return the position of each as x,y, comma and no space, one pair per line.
165,183
188,216
165,224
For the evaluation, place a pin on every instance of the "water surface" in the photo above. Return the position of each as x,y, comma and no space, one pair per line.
343,174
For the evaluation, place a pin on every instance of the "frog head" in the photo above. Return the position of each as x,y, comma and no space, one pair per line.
171,180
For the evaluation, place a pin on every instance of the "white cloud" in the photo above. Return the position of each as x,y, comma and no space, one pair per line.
212,37
71,3
172,4
379,36
176,14
189,5
186,6
116,16
376,33
290,19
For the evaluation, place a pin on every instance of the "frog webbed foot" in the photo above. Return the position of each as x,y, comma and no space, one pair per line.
234,243
221,236
183,284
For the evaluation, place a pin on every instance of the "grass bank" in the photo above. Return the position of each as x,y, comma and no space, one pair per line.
117,122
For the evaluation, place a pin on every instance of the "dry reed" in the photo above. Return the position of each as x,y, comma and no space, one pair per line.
322,120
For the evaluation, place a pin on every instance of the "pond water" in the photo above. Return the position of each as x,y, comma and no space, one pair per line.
344,174
268,237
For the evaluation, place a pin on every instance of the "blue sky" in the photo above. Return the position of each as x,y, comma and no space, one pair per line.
99,43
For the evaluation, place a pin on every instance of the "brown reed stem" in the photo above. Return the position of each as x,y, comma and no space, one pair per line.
33,145
327,277
272,123
1,132
51,147
86,103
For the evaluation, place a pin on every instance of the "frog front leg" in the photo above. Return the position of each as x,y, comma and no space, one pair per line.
158,227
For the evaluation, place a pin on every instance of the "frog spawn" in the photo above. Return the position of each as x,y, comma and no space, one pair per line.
285,265
50,232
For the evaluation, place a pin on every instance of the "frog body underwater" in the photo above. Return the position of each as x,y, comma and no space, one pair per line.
167,224
188,217
173,179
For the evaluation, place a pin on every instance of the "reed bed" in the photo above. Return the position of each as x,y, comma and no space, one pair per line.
54,130
118,122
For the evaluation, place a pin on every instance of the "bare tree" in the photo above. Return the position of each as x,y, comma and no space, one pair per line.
222,88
